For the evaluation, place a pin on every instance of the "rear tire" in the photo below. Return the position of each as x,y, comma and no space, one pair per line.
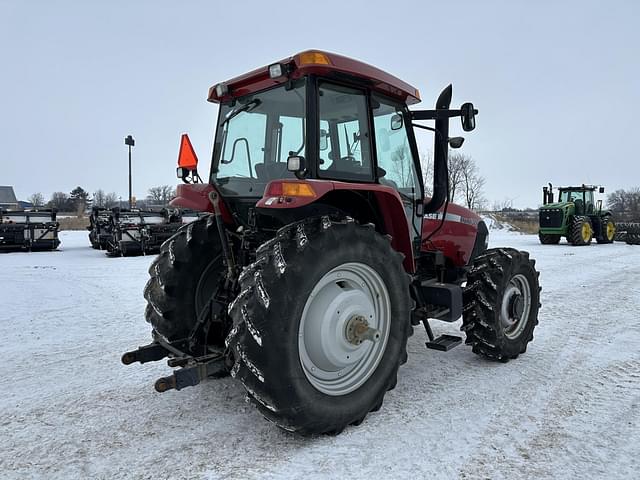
184,276
549,238
280,331
607,230
581,231
501,303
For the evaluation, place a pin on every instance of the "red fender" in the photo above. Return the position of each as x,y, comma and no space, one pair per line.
281,194
195,196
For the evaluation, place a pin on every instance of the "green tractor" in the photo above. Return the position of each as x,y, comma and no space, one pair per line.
575,216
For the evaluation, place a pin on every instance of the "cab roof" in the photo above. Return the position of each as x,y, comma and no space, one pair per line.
321,63
583,187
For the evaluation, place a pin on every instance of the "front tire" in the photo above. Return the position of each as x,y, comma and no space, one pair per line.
295,337
549,238
501,303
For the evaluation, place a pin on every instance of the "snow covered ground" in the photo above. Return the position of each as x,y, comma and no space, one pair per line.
568,408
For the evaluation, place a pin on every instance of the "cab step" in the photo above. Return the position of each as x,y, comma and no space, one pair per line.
444,343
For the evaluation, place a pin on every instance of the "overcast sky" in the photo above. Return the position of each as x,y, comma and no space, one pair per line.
556,83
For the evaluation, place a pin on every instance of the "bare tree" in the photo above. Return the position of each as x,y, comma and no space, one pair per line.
60,200
402,170
36,199
110,200
99,198
457,165
504,205
472,184
161,194
426,165
625,202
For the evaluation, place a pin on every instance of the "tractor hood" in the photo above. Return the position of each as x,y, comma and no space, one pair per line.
556,206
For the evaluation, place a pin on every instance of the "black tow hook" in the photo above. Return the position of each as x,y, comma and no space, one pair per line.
196,370
149,353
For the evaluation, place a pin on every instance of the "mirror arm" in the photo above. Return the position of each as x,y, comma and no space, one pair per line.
424,127
437,114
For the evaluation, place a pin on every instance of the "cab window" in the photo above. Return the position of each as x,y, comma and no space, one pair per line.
344,148
392,146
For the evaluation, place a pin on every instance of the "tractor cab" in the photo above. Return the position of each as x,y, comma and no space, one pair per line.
582,198
323,129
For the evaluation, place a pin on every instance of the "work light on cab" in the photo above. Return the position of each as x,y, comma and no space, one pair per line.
276,70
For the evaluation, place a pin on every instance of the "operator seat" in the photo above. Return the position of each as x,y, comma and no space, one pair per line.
579,204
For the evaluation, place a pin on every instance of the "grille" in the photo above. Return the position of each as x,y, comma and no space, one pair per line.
551,218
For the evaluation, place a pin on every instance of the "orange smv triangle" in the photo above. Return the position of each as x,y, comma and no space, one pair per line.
187,157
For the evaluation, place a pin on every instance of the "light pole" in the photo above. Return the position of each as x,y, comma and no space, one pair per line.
128,140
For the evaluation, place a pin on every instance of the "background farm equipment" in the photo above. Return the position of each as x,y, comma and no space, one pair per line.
628,232
139,232
28,230
575,215
100,228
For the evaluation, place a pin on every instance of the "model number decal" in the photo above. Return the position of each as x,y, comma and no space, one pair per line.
451,217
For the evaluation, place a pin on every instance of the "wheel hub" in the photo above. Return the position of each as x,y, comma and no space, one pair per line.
350,304
611,230
516,305
358,331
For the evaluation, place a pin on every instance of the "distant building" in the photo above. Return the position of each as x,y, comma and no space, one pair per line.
8,200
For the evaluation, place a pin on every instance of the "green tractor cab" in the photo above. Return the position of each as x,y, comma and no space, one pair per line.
575,215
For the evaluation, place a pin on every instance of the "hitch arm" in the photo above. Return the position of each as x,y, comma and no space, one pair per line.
148,353
192,374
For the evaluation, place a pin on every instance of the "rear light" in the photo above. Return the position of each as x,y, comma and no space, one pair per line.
317,58
290,189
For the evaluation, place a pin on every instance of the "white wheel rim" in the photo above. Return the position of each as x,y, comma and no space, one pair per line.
331,360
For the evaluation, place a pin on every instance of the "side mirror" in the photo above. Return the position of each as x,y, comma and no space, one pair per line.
396,122
601,190
182,173
456,142
468,114
324,143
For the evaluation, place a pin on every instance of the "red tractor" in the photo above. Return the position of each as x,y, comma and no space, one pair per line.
321,251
